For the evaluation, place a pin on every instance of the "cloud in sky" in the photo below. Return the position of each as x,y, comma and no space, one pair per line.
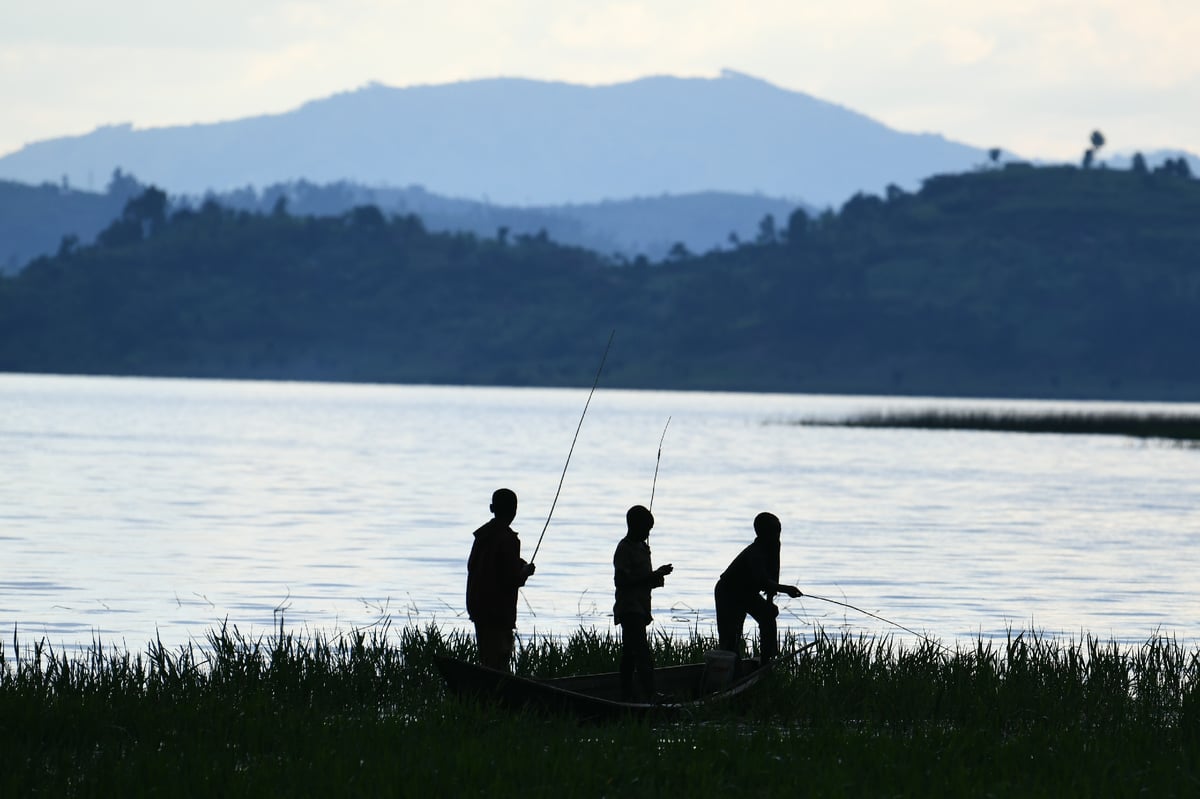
1034,77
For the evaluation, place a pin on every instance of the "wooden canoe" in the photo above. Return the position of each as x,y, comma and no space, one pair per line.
597,696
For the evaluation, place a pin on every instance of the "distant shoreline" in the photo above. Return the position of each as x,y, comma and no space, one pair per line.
1177,427
906,419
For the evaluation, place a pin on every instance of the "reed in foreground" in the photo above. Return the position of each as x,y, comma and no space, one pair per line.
364,712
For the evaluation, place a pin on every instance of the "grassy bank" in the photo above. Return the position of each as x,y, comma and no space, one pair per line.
1176,427
365,714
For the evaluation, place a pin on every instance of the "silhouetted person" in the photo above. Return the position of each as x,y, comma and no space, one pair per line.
634,578
754,572
495,571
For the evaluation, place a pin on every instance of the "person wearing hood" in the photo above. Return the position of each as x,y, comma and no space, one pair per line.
495,570
740,591
635,577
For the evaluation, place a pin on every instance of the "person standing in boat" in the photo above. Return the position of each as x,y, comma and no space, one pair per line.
495,570
753,573
635,577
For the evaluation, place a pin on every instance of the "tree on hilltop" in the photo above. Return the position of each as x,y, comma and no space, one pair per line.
1089,155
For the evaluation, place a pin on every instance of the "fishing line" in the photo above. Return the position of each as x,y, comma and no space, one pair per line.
924,638
576,438
657,461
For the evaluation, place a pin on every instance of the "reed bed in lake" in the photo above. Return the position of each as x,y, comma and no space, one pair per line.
1176,427
364,713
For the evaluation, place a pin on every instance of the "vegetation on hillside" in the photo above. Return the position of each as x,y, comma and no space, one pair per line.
1054,281
35,220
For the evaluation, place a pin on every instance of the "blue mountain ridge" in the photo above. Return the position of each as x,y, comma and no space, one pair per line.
525,142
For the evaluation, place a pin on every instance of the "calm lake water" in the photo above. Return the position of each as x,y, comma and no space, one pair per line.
131,508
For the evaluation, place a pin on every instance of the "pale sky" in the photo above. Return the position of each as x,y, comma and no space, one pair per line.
1032,76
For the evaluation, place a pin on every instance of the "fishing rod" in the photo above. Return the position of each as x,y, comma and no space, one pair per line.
924,638
657,461
573,440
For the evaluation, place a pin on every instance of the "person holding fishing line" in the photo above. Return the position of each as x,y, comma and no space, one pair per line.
754,572
635,577
495,571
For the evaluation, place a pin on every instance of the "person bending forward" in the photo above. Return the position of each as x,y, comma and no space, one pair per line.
754,572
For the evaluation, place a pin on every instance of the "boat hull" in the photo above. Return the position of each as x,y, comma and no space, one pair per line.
596,696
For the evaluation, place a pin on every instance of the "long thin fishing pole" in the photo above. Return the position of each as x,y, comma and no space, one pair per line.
570,451
657,461
925,638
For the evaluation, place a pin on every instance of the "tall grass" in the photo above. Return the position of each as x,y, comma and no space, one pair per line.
1029,680
365,713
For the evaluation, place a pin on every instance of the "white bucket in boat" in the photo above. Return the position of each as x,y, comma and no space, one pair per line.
719,668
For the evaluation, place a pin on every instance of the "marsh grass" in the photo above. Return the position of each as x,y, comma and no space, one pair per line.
1175,427
365,713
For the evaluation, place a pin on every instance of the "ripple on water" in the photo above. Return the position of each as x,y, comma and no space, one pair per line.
181,504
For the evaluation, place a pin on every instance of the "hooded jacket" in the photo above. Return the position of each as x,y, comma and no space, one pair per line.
495,571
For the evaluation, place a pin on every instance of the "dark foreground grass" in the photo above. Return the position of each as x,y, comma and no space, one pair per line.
1175,427
365,715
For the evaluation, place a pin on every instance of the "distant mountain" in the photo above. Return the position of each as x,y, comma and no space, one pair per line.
35,219
523,142
638,226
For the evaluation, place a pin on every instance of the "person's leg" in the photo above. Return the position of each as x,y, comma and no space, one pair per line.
636,659
628,659
764,612
731,616
643,661
495,643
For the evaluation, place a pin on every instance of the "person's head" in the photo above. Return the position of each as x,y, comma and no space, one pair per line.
767,526
639,520
504,505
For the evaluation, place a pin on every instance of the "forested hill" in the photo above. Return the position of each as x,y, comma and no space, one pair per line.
1008,282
